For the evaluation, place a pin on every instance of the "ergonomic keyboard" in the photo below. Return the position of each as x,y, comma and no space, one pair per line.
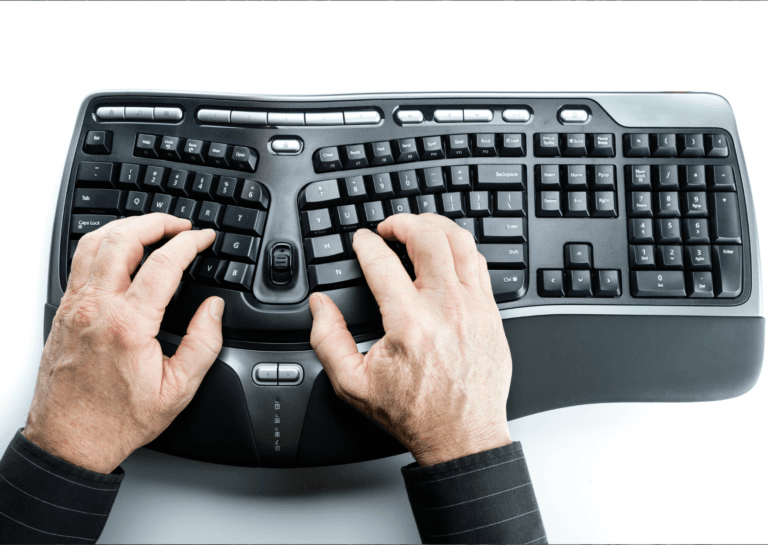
619,233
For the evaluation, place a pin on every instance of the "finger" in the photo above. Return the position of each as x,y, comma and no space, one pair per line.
463,248
335,347
122,247
427,246
484,277
384,273
158,278
85,255
198,349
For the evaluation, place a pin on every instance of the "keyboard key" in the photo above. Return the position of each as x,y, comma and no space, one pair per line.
353,189
638,177
354,156
406,183
695,231
346,217
503,230
244,158
226,190
103,200
253,195
600,145
507,256
240,247
640,204
239,275
137,203
210,215
700,284
664,145
162,203
382,186
457,145
575,145
484,145
431,148
326,160
690,145
698,258
458,178
154,179
324,276
667,204
83,224
186,209
211,270
218,155
322,249
244,220
602,178
95,174
380,154
507,177
641,257
720,178
316,222
546,145
695,179
507,285
406,151
657,284
668,231
178,183
548,204
194,152
397,206
695,205
512,145
670,257
637,145
665,178
716,145
607,283
98,143
724,219
320,195
452,205
432,180
578,283
470,224
726,266
576,204
202,186
603,205
509,204
576,177
425,204
146,146
129,176
373,213
551,283
547,177
578,256
479,204
640,231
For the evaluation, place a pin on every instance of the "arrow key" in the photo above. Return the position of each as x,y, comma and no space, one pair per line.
579,284
551,283
608,284
578,256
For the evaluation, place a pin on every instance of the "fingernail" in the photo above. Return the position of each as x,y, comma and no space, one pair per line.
315,303
217,308
359,231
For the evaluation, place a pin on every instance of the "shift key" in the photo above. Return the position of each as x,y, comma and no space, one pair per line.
504,230
85,223
505,256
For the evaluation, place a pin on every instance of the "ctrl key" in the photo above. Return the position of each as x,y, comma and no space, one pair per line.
85,223
507,285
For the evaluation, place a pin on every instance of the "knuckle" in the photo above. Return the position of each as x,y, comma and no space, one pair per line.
162,257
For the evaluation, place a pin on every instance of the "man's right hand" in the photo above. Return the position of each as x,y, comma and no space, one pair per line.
439,378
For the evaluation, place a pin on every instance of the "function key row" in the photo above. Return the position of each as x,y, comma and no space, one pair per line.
676,177
408,183
573,145
675,145
139,113
263,119
181,183
199,152
426,148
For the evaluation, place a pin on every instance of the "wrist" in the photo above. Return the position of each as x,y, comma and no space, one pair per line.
459,445
80,453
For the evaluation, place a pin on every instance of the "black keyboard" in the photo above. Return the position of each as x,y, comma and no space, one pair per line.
618,229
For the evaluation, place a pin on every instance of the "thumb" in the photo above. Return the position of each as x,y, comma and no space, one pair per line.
335,348
199,347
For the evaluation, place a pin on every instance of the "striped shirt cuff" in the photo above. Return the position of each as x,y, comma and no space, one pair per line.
44,499
482,498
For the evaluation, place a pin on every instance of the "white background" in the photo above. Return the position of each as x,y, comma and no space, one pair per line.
612,473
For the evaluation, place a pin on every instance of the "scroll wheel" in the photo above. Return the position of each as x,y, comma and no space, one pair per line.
281,262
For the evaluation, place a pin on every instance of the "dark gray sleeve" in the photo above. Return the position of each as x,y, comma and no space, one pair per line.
482,498
44,499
